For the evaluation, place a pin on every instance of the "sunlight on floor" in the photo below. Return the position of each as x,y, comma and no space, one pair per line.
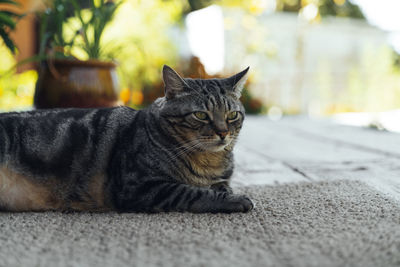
388,120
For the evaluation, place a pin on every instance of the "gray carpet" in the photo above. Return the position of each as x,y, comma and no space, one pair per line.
339,223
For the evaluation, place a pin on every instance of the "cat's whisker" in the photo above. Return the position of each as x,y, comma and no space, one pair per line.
183,151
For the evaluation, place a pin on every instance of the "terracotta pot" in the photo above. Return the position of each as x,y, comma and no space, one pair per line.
74,83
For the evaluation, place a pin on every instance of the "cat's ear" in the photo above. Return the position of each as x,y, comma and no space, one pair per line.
174,84
237,81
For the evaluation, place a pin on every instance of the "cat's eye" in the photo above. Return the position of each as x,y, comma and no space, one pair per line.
232,115
200,115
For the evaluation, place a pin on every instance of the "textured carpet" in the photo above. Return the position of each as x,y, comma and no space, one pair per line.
338,223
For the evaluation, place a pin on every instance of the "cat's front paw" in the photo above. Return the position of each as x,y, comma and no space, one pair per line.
237,203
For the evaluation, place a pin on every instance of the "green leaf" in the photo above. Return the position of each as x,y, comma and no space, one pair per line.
7,41
6,20
12,14
91,27
11,2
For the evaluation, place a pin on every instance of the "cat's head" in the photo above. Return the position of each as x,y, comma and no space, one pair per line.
203,114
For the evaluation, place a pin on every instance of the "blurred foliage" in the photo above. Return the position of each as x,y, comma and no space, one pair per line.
142,48
8,22
150,47
198,4
16,90
373,85
251,104
254,7
396,60
141,39
67,26
338,8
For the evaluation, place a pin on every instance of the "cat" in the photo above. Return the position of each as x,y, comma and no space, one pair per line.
175,155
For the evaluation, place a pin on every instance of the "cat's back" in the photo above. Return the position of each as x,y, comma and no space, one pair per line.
54,117
55,133
39,132
46,156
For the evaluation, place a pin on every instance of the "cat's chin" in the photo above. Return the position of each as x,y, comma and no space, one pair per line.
218,147
215,146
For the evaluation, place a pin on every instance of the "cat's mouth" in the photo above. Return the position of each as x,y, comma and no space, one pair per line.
213,144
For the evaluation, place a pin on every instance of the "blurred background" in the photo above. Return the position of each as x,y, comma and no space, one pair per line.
320,58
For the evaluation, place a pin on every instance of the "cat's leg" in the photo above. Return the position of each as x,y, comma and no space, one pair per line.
222,187
156,196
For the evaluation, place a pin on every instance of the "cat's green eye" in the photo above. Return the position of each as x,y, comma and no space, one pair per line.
233,115
200,115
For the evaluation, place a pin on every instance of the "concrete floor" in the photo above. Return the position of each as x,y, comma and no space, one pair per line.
298,149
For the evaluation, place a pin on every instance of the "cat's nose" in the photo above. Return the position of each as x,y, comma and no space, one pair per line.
222,134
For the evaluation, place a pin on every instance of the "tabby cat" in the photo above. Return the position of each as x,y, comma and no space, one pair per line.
175,155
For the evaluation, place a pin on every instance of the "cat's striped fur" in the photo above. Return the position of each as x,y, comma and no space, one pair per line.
163,158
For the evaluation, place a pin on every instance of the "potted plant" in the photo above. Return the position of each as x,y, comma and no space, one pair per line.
65,80
8,21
